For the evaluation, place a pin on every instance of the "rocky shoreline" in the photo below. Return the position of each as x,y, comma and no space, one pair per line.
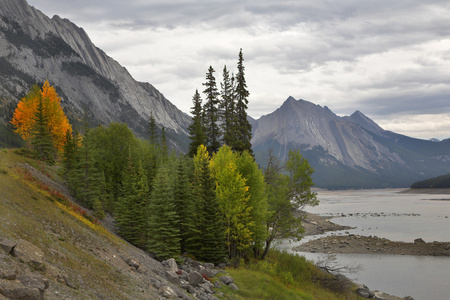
358,244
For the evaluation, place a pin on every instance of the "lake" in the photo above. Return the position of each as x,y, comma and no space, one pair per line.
388,213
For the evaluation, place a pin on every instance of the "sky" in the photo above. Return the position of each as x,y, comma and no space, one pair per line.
388,59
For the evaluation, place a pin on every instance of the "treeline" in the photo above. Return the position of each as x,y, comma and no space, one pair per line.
439,182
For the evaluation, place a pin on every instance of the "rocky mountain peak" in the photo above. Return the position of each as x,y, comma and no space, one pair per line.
35,48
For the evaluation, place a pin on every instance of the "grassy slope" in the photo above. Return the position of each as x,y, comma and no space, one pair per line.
87,254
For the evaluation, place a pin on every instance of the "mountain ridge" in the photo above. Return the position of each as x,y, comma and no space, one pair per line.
39,48
347,152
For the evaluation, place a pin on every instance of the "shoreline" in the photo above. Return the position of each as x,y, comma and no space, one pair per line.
360,244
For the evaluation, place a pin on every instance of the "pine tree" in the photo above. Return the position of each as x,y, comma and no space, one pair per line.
41,137
85,180
206,236
243,128
183,200
196,128
227,106
69,154
211,113
132,205
153,130
164,236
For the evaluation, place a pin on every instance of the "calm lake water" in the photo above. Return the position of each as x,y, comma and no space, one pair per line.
399,217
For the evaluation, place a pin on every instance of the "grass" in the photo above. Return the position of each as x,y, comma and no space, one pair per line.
29,212
285,276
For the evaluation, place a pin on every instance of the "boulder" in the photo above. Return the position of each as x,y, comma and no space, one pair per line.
379,296
419,241
7,245
171,265
195,278
207,286
8,275
172,277
168,292
226,280
233,286
364,292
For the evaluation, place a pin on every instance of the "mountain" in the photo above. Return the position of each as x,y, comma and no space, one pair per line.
347,152
34,48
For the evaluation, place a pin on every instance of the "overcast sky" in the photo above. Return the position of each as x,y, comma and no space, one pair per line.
388,59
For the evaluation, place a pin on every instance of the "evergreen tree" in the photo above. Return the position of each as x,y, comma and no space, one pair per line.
164,236
206,228
41,137
183,200
164,148
86,179
227,106
196,129
70,150
132,205
211,113
153,130
242,128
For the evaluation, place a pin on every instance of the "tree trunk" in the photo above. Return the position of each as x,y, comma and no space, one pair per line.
266,250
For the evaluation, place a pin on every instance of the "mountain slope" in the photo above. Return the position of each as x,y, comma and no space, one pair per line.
34,48
347,151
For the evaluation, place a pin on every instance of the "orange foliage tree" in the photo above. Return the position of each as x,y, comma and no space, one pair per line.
24,117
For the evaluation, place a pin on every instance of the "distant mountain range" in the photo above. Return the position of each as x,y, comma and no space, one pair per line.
347,152
34,48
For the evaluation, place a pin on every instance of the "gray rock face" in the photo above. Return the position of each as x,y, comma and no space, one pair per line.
36,48
354,145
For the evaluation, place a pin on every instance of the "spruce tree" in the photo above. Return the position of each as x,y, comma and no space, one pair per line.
183,200
153,130
211,113
243,128
227,106
41,136
196,128
163,234
206,239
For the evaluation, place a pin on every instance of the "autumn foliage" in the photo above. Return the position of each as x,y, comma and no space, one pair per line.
24,118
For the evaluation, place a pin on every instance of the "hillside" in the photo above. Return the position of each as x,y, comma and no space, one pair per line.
35,48
47,248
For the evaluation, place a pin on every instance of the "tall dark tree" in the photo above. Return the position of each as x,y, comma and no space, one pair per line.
242,128
164,236
41,137
211,113
206,238
86,180
227,108
196,129
153,129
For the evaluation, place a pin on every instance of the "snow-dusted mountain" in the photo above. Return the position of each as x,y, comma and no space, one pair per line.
347,151
34,48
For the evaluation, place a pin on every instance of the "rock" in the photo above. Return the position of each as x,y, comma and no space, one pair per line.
7,245
132,263
172,277
419,241
408,298
168,292
208,265
171,265
233,286
364,292
226,280
8,275
13,289
379,296
207,286
217,284
195,278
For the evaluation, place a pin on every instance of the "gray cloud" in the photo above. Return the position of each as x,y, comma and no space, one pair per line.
382,57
